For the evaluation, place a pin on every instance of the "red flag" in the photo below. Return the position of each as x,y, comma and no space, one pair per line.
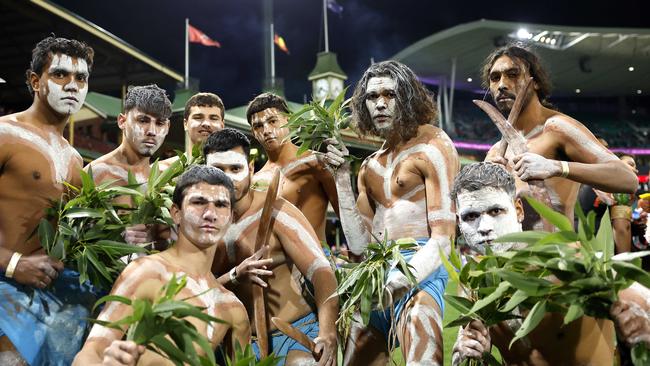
279,41
196,36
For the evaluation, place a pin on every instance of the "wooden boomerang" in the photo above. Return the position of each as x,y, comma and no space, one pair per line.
517,142
263,235
294,333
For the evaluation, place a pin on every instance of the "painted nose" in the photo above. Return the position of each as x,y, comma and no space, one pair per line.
381,103
486,226
210,213
71,86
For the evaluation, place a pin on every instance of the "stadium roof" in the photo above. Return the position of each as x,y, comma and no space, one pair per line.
597,61
116,62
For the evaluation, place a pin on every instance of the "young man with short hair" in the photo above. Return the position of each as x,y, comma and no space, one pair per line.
203,208
295,252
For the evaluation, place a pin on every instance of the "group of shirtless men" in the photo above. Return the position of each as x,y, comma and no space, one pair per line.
409,188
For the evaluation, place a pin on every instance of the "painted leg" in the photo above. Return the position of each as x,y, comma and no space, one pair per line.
365,346
300,358
420,331
9,356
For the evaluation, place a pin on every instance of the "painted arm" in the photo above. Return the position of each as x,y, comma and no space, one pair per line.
301,245
439,166
472,341
241,330
589,162
329,185
104,345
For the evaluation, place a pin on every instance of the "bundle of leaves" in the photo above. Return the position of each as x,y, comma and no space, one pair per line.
551,274
315,122
88,235
246,357
162,325
362,286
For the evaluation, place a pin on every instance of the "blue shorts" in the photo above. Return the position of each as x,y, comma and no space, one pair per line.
433,285
281,344
47,327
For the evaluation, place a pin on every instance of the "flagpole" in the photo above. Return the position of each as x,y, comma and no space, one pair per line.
327,42
272,57
187,53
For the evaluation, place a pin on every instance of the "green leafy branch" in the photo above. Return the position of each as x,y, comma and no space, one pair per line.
315,122
551,274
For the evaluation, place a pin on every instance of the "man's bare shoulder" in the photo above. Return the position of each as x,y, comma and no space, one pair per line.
165,164
14,117
560,123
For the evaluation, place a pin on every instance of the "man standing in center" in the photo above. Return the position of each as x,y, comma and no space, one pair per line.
404,192
306,183
295,252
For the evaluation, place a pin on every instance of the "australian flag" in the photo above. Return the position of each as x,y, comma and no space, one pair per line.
334,7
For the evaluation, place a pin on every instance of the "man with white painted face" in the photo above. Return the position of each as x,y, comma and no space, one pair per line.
204,114
306,183
404,192
295,251
561,150
487,208
35,161
203,208
144,124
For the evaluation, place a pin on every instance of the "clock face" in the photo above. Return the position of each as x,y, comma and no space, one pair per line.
321,89
337,87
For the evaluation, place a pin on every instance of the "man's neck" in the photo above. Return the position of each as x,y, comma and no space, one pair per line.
126,154
283,155
533,115
40,115
243,204
192,259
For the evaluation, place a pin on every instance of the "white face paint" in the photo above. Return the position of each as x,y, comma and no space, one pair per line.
206,213
267,128
380,101
67,83
227,161
145,132
485,215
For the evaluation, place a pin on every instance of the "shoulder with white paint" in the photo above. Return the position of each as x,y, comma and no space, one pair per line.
138,270
568,129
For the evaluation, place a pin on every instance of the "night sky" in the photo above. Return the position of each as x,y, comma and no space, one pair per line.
365,30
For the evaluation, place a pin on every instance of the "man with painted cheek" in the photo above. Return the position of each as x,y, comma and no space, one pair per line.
296,256
487,208
202,209
306,182
35,161
561,150
144,124
204,114
403,194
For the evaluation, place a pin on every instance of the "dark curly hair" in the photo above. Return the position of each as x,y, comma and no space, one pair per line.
43,51
415,104
224,140
203,100
149,99
202,174
265,101
535,68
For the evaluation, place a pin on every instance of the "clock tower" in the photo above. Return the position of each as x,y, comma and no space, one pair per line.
327,77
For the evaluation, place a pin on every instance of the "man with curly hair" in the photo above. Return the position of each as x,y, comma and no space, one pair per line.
403,193
40,326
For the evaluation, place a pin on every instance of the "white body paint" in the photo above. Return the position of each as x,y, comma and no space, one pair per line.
155,134
481,231
58,96
267,175
594,147
117,171
54,148
382,108
235,231
424,315
230,158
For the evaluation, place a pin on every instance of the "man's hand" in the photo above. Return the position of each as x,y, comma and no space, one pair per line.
335,156
397,285
472,342
530,166
138,234
325,350
253,267
122,353
632,322
37,270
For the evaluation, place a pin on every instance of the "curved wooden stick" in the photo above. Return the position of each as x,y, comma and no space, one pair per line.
293,333
262,238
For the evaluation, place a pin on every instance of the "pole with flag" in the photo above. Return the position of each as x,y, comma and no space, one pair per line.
187,53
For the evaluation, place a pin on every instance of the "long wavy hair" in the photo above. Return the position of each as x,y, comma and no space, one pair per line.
415,104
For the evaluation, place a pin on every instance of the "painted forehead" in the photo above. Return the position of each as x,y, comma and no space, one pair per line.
226,157
482,199
380,82
208,192
67,63
266,114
